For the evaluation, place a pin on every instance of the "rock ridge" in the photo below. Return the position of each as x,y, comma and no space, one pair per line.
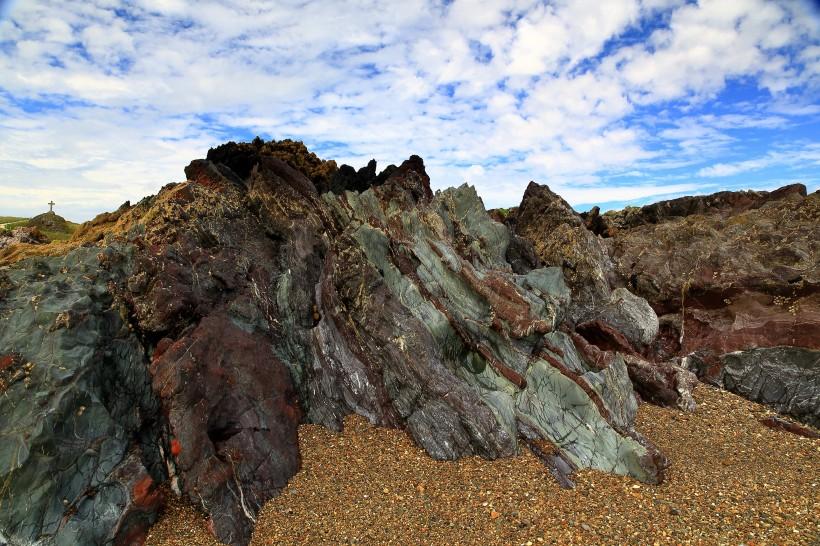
183,339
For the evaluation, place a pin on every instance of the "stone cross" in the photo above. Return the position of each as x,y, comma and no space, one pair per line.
51,206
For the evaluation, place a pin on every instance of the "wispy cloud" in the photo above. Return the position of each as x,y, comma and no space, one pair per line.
806,157
102,101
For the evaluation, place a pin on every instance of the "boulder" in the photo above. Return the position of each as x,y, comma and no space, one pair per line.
630,315
785,378
664,384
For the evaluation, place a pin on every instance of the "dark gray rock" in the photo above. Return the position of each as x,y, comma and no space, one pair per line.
785,378
78,421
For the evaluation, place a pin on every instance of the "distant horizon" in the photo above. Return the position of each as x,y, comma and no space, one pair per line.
608,103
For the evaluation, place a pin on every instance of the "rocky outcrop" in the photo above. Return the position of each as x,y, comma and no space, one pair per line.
49,221
613,319
725,203
725,281
560,239
726,274
185,338
250,300
349,179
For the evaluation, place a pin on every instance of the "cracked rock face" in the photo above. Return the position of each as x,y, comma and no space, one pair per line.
785,378
79,430
221,313
477,355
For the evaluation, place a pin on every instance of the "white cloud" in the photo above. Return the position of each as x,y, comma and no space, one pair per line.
500,93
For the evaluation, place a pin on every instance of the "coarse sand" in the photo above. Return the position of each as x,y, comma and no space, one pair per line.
731,481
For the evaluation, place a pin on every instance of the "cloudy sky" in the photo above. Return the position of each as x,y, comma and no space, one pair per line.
608,102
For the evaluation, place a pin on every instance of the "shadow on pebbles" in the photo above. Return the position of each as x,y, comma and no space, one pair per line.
732,481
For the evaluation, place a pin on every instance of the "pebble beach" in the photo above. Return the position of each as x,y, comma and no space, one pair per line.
731,481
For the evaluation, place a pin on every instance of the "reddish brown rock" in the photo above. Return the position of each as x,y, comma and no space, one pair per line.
662,383
727,272
233,415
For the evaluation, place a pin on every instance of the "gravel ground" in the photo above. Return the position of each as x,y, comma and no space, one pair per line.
732,481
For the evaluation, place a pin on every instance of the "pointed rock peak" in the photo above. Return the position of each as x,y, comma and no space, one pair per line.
540,205
412,176
348,178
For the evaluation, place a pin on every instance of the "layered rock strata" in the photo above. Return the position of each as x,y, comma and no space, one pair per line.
733,275
218,315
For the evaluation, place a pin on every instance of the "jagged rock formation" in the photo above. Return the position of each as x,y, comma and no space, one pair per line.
726,274
725,203
215,317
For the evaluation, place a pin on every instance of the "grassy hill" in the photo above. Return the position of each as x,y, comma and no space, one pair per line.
53,226
11,222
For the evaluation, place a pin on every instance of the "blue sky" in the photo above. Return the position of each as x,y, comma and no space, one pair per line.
609,103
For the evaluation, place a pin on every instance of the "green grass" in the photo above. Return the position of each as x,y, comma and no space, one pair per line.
10,222
62,235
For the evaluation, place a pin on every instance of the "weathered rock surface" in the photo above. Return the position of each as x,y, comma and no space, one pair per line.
232,415
662,383
611,319
725,203
726,281
248,300
79,424
785,378
560,239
